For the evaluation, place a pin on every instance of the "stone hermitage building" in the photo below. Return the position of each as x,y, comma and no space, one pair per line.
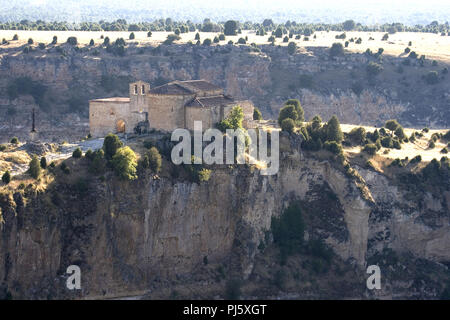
174,105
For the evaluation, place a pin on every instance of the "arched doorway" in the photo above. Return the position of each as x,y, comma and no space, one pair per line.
120,126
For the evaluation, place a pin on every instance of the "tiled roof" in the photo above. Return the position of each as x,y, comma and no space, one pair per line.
185,87
170,88
113,99
200,85
214,101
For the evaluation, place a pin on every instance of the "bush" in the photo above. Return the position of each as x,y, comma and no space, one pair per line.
288,230
416,159
6,177
292,47
30,41
110,145
207,42
34,168
373,69
298,108
242,41
98,162
333,147
387,142
370,149
431,144
400,133
77,153
124,163
337,49
357,135
432,77
43,163
15,37
204,175
171,38
257,114
154,160
444,150
72,41
14,140
2,147
55,40
288,125
392,125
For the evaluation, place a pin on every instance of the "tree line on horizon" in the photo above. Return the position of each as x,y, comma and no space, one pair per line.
168,24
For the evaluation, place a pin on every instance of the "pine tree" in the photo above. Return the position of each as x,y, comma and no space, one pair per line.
6,178
35,167
334,132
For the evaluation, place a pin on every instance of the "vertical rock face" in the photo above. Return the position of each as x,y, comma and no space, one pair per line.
129,236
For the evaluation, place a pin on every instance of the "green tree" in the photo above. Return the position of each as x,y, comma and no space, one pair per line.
230,28
337,49
34,168
43,163
292,47
124,163
14,140
77,153
110,145
6,177
72,40
392,125
288,111
154,159
288,125
132,36
334,132
349,25
197,36
298,108
257,114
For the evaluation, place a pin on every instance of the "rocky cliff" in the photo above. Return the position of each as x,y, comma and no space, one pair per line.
161,235
61,79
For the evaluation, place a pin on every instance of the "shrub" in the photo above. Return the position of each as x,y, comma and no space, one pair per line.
288,230
357,135
288,125
392,125
385,37
444,150
257,114
370,149
204,175
387,142
15,37
207,42
30,41
72,41
416,159
242,41
110,145
373,69
149,34
98,162
55,40
333,147
221,37
77,153
432,77
41,46
154,160
14,140
400,133
292,47
124,163
337,49
34,168
6,177
43,163
171,38
2,147
431,144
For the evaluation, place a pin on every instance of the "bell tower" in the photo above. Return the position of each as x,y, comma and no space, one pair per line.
138,96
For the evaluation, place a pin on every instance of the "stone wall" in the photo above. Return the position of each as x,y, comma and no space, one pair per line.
202,114
103,117
166,112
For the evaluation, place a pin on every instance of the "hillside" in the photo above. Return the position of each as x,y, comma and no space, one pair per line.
60,79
